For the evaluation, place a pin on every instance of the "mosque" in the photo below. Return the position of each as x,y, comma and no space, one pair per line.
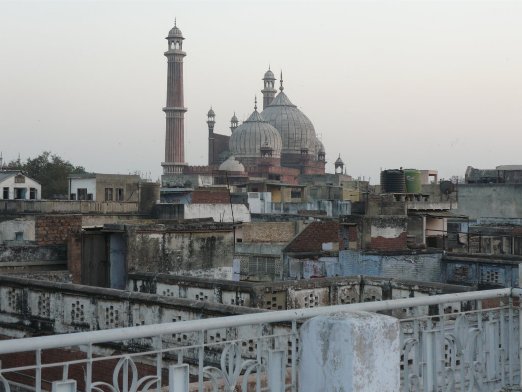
278,143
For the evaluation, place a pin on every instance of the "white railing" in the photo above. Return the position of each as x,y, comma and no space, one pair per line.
470,342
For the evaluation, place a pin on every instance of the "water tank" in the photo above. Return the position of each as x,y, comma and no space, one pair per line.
413,180
393,181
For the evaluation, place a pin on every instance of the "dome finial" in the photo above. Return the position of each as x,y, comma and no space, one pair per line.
255,102
175,24
281,88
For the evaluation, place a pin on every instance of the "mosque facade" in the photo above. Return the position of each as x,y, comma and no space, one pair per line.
278,142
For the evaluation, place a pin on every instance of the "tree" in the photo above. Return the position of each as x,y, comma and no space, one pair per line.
50,170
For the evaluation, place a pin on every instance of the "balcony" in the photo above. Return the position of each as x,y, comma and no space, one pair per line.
454,342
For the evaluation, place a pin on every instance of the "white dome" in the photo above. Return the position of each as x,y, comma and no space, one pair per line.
232,165
297,131
254,133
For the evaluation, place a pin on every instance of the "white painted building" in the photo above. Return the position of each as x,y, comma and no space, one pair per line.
14,185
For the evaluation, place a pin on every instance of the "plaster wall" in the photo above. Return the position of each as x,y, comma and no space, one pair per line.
9,228
490,200
218,212
259,202
181,252
420,267
87,183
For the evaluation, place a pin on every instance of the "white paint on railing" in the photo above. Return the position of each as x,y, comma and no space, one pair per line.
350,351
146,331
477,348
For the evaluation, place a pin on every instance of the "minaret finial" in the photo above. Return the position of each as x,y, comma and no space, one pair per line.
281,88
255,102
175,24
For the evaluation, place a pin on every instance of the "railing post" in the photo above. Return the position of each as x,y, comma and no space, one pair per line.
350,351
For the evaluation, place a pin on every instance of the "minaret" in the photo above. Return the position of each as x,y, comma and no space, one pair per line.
269,90
211,121
234,123
175,109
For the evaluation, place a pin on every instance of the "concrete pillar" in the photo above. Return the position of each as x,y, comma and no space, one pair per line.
350,352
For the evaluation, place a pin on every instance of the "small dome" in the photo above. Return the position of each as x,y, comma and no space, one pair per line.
234,119
232,165
175,33
269,75
254,133
339,161
211,113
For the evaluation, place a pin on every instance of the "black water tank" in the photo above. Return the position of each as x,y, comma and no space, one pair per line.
393,181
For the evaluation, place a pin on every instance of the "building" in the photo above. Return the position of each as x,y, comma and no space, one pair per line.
277,144
104,187
15,185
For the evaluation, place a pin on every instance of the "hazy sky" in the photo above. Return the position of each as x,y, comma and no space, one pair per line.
419,84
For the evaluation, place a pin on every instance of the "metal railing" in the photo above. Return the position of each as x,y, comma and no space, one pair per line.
453,342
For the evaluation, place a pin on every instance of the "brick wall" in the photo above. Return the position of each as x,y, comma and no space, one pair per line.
55,229
390,244
211,196
268,231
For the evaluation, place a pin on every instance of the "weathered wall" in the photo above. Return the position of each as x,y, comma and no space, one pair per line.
53,307
169,251
9,228
481,271
218,212
67,207
211,195
288,294
22,254
55,229
269,231
388,233
490,200
425,267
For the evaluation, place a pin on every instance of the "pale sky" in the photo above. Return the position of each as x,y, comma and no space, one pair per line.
421,84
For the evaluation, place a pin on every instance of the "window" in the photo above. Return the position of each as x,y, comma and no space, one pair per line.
19,236
119,194
6,193
73,196
108,194
20,193
33,193
295,194
89,196
82,193
19,179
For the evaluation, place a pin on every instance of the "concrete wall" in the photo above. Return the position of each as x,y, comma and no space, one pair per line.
83,183
9,228
424,267
218,212
52,308
490,200
329,207
476,271
259,202
66,207
288,294
188,251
